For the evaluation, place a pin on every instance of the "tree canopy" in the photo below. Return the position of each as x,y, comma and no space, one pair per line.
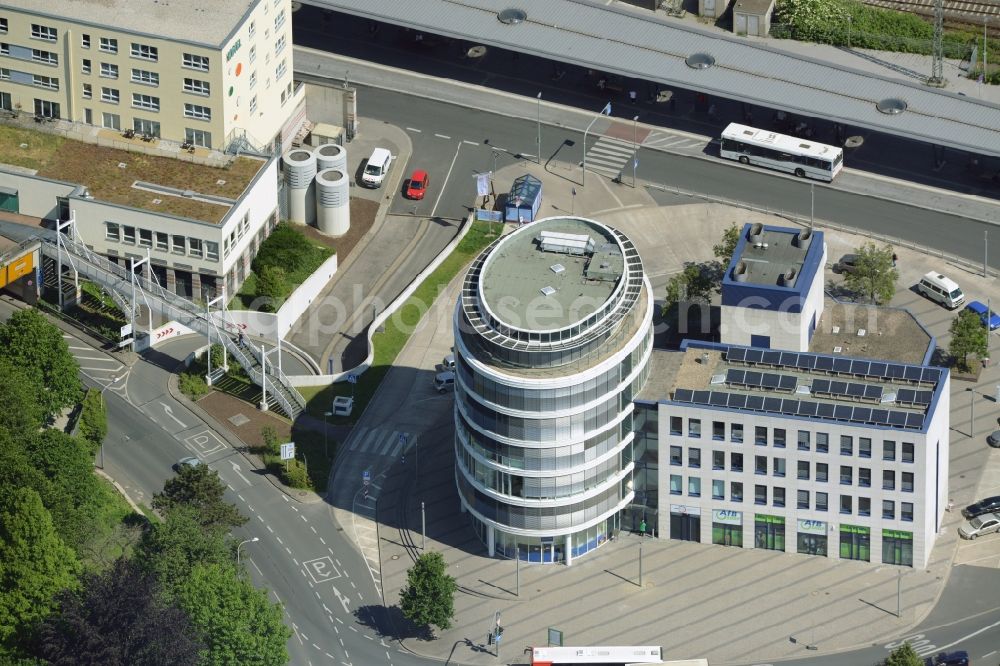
172,548
429,595
35,564
118,619
874,276
38,348
199,487
236,621
904,655
968,336
726,246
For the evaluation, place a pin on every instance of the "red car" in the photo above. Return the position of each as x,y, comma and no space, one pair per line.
417,185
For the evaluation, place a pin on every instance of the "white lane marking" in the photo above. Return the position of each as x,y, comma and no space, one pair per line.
322,541
236,468
296,561
260,518
231,488
170,413
294,508
255,566
241,498
313,529
288,550
988,654
343,599
442,136
471,143
279,540
269,529
285,497
446,177
413,129
304,519
296,630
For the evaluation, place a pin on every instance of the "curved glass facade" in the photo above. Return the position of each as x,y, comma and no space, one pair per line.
543,441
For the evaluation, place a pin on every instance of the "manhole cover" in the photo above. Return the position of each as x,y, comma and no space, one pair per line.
512,16
699,61
891,106
394,557
238,420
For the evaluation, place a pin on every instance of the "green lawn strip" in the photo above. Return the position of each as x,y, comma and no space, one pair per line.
398,328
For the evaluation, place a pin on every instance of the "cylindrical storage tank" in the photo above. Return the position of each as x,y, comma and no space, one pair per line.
331,156
300,172
333,202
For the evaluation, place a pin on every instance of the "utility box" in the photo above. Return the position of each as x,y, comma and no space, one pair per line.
712,8
752,17
326,133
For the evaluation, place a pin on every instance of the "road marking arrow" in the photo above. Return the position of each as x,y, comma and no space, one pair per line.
236,468
342,598
170,413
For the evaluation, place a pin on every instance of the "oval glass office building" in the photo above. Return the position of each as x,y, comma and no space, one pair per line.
553,335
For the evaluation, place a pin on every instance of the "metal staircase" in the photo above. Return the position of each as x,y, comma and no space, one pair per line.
121,285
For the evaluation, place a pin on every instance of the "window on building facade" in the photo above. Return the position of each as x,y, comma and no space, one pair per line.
141,101
864,506
888,450
144,52
906,482
145,77
803,471
4,49
111,121
162,241
760,464
735,491
279,45
865,447
846,504
846,445
676,455
45,32
3,25
760,494
888,509
109,45
906,511
804,440
252,30
145,238
110,95
888,479
846,475
85,66
736,433
253,54
88,91
45,57
676,484
85,41
760,435
194,247
179,244
694,486
112,231
779,438
211,250
197,86
822,442
197,112
907,452
694,457
279,20
192,61
718,489
718,431
676,425
864,477
803,499
253,82
694,427
4,75
50,82
109,70
143,126
198,137
822,472
778,496
736,462
778,467
718,459
128,235
821,501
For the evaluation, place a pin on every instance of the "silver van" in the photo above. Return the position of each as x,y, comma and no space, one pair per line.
448,363
444,381
941,289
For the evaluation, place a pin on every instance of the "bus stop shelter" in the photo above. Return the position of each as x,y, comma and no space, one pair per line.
523,200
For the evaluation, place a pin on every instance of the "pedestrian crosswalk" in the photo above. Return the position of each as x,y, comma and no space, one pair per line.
663,141
610,156
382,441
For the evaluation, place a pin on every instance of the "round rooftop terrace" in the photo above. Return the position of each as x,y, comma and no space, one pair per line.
552,282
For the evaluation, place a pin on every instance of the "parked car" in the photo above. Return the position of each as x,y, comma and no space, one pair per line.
416,187
956,658
190,461
847,264
979,309
444,381
994,439
985,524
988,505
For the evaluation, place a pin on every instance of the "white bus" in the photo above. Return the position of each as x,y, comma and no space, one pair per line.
803,157
621,655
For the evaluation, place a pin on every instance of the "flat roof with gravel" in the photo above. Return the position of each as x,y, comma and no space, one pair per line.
870,331
192,21
771,256
551,274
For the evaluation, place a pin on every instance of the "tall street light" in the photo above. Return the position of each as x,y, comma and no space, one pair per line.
538,123
635,148
253,540
114,380
326,436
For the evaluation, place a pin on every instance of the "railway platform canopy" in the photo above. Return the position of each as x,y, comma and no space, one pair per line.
640,45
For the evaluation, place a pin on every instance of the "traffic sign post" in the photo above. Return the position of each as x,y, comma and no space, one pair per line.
287,453
352,379
366,477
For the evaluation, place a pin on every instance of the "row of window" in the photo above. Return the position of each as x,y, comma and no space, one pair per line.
113,121
820,499
110,70
176,243
777,437
147,102
50,82
37,55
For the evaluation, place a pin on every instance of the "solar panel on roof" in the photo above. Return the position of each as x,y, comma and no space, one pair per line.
842,365
772,357
838,388
683,395
915,421
824,409
754,355
877,369
789,359
856,390
821,386
913,373
753,378
734,376
806,362
905,395
873,392
897,418
880,416
788,383
895,371
807,408
931,375
755,402
736,354
843,412
860,368
772,404
923,397
700,397
737,400
789,406
719,398
770,380
824,363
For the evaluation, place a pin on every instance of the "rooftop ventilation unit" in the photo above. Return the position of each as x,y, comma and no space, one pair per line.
888,398
802,389
862,332
547,291
787,279
802,239
837,350
718,379
740,271
555,241
557,268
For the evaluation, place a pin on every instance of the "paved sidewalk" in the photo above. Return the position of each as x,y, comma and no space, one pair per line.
733,606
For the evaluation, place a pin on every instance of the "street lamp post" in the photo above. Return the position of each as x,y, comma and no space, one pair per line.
326,436
635,148
253,540
538,124
114,380
605,111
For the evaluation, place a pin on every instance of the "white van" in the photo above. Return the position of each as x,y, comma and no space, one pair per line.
376,168
448,363
444,381
939,288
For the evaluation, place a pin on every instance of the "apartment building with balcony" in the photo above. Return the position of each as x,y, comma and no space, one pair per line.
203,74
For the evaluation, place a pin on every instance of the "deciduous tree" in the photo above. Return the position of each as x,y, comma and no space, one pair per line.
726,246
429,595
874,276
200,488
38,348
172,548
904,655
119,618
93,427
968,336
271,287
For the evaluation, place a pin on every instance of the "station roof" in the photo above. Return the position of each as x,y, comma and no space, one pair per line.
638,44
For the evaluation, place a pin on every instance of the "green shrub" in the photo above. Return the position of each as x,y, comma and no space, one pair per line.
271,444
286,248
93,419
293,474
271,286
192,385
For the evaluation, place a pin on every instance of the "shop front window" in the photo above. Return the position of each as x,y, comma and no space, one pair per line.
855,543
812,538
727,528
769,532
897,548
